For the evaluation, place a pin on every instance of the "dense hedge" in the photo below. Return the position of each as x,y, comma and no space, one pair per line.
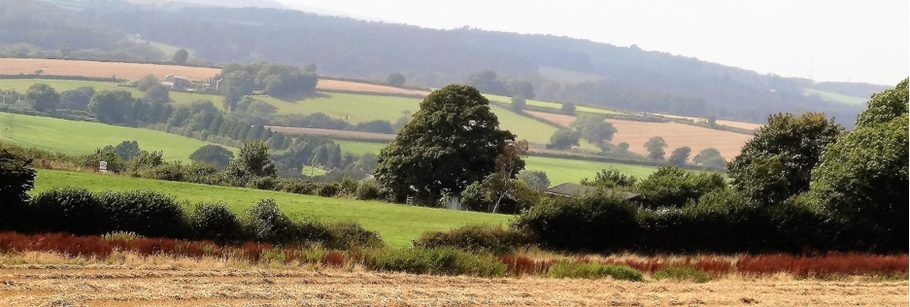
152,214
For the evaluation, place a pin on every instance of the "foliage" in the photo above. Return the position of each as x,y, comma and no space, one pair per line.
710,158
253,160
395,79
518,103
17,177
672,186
147,213
683,273
376,126
214,221
156,94
180,56
655,147
264,222
111,106
476,239
486,82
520,89
436,261
537,180
594,128
565,269
212,154
147,82
77,99
43,97
564,139
127,150
594,223
568,108
680,156
776,164
452,141
611,178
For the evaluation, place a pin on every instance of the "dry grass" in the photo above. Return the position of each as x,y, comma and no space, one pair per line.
339,85
42,279
95,69
335,133
735,124
675,134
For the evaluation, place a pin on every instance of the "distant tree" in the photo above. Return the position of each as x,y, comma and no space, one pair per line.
376,126
213,154
127,150
520,88
776,164
451,142
594,128
234,86
487,82
564,139
43,97
712,121
624,146
17,177
502,183
146,82
111,106
655,147
402,121
156,94
310,68
518,103
253,160
679,156
77,99
610,178
568,108
709,158
395,79
180,56
537,180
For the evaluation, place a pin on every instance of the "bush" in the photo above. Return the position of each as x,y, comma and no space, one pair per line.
683,273
169,171
328,189
202,173
348,186
368,190
264,222
147,213
215,222
597,222
297,186
75,211
265,183
475,239
350,235
593,271
124,236
436,261
17,177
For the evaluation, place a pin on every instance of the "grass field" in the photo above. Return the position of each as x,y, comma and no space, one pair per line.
835,97
79,138
551,105
22,85
397,224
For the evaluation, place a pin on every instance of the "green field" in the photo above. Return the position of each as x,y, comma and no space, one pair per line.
397,224
21,86
835,97
79,138
551,105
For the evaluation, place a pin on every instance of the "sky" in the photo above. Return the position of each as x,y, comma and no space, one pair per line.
856,41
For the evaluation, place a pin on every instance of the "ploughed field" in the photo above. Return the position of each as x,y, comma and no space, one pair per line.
676,135
159,281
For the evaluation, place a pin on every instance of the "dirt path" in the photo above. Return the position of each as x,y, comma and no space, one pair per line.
81,285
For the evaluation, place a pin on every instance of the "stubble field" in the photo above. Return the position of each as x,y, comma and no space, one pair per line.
163,281
676,135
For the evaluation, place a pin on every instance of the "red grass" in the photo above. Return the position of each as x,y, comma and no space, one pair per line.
523,265
830,264
333,259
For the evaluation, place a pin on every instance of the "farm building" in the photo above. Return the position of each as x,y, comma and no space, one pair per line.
176,82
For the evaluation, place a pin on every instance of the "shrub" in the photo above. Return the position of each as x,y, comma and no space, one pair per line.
350,235
125,236
170,171
593,271
147,213
348,186
436,261
265,183
17,177
214,221
597,222
202,173
328,189
264,222
683,273
495,240
368,190
297,186
75,211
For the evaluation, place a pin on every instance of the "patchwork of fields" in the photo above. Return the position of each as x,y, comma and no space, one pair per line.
397,224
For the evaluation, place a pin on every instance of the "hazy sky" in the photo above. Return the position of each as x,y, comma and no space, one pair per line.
860,41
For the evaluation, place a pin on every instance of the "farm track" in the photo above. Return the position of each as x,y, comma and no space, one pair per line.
676,135
170,285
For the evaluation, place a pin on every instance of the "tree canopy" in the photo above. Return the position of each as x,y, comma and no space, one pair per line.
594,128
43,97
655,147
452,141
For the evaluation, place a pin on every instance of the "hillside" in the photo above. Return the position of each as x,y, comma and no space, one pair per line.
397,224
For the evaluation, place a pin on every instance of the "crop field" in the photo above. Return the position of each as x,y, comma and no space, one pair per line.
735,124
327,84
397,224
79,138
676,135
21,86
45,279
835,97
354,108
132,71
551,105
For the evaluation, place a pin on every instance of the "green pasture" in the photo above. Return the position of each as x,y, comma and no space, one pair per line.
79,138
354,108
551,105
831,96
397,224
21,86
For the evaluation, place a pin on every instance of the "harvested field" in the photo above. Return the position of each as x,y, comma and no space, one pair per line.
338,85
735,124
344,134
9,66
675,134
157,281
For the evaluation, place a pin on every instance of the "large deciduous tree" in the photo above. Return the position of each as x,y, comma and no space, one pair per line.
776,164
213,154
43,97
594,128
452,141
564,139
862,179
655,147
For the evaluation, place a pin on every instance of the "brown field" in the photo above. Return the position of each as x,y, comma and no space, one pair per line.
36,280
335,133
9,66
675,134
338,85
735,124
